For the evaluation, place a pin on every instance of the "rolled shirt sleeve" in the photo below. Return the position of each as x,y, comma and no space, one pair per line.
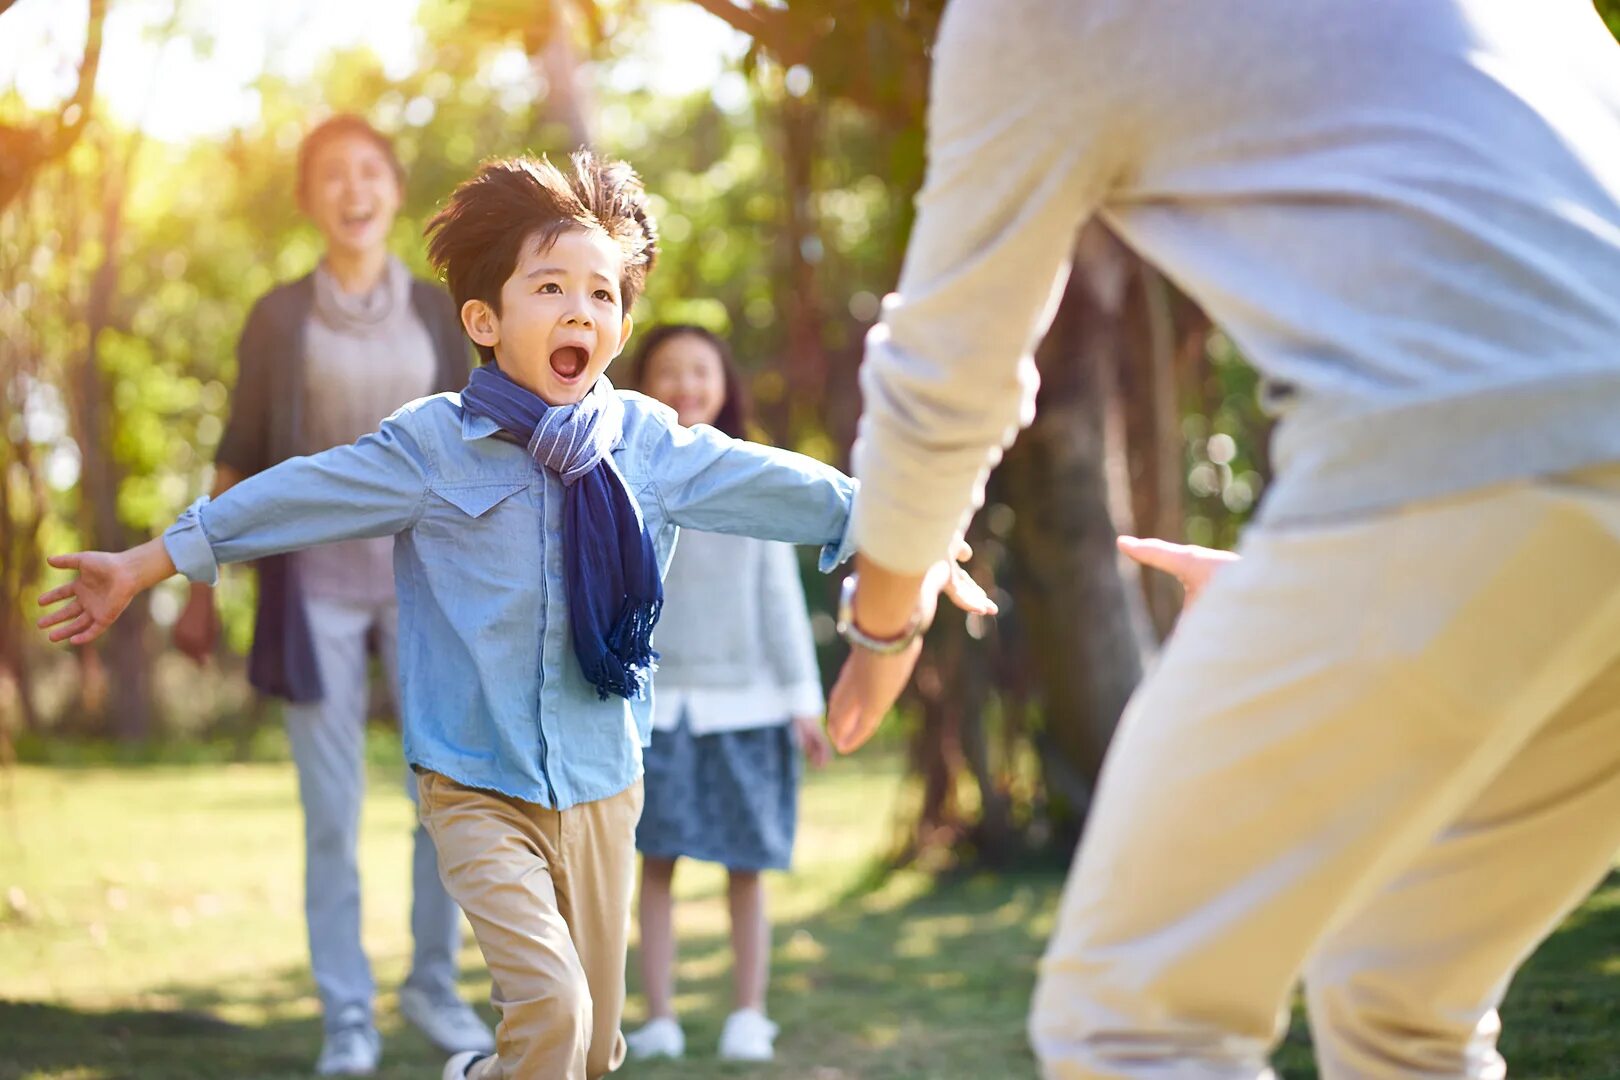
708,481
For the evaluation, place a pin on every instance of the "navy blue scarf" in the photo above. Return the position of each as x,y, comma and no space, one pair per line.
614,591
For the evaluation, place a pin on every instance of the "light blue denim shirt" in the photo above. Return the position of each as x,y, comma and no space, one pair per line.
491,692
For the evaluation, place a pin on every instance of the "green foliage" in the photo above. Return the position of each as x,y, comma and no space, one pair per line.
1610,10
209,226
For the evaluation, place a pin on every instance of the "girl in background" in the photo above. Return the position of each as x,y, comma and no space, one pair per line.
738,705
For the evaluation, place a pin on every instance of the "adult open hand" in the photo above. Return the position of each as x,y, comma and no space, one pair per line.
1189,564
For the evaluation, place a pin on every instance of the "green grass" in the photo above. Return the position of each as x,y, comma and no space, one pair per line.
151,927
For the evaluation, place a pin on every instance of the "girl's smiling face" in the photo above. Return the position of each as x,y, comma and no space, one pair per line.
687,374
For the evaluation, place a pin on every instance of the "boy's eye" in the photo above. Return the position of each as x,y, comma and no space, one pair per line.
604,296
551,286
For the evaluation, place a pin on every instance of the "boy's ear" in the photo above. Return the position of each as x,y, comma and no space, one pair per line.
481,323
624,337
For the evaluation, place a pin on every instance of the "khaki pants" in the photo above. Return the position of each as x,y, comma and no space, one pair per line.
1384,754
548,895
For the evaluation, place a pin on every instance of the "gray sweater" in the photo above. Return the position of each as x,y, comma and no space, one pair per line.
1406,213
734,643
366,355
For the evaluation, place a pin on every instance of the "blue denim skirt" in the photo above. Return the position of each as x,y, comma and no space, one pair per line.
731,797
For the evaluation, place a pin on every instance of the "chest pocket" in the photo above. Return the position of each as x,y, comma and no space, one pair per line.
477,499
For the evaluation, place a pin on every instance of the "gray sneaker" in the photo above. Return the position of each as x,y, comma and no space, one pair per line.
352,1046
449,1023
460,1067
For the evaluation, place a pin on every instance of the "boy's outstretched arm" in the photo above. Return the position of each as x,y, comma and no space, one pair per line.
710,482
376,487
106,583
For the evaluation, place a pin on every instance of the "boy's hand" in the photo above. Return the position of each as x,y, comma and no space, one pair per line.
1191,565
807,732
105,585
868,684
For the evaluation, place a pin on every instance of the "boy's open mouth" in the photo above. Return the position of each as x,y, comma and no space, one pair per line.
569,361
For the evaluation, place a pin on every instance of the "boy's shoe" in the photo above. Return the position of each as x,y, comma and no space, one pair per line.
660,1038
748,1036
352,1047
450,1024
460,1066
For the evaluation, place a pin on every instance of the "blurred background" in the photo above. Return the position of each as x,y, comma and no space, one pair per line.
149,843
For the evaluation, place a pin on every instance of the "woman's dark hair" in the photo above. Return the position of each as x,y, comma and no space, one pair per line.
733,418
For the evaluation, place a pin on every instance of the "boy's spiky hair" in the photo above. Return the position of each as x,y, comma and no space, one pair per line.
475,241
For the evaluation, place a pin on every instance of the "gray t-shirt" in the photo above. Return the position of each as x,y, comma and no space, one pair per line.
1406,212
366,355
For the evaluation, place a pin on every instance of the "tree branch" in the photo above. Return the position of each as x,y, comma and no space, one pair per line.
769,28
25,149
76,112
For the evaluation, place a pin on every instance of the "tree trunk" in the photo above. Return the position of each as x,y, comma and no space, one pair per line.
24,500
554,56
1087,626
22,511
127,649
806,367
1165,336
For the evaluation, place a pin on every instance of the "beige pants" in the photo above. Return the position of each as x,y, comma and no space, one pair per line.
1383,754
548,896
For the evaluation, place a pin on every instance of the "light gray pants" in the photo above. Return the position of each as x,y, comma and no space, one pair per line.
328,746
1384,754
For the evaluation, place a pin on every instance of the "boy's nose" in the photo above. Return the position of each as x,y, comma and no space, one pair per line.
577,318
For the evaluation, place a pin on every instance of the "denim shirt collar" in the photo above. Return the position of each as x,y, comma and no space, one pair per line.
478,426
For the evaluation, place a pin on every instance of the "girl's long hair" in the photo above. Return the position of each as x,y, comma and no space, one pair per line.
734,412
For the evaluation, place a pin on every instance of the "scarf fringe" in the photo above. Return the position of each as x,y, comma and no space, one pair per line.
630,661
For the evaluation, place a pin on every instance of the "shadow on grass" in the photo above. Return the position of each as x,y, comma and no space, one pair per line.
884,985
888,984
190,1042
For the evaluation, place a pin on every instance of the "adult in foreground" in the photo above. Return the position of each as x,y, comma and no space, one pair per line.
1382,749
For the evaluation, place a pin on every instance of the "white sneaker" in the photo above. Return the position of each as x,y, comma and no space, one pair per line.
748,1036
460,1066
352,1047
660,1038
450,1024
